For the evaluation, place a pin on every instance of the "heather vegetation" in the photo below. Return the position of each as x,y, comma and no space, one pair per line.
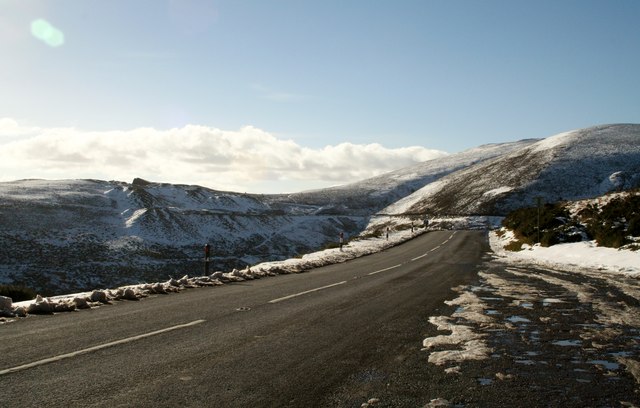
549,224
615,224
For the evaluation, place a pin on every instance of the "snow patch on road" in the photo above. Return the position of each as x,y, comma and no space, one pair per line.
468,344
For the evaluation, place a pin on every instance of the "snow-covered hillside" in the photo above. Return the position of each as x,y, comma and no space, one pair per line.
573,165
73,235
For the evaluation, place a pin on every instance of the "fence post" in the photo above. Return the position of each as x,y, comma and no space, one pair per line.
207,249
539,204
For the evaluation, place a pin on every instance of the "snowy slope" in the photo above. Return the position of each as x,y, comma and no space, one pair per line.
79,234
573,165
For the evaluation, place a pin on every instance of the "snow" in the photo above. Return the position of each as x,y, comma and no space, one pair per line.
555,141
471,343
405,204
130,221
575,256
497,191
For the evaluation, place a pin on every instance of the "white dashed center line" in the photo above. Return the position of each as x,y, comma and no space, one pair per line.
385,269
306,291
369,274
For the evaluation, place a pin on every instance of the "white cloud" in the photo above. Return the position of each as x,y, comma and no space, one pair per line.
248,159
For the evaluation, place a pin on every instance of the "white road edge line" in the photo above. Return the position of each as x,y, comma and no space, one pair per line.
306,291
96,348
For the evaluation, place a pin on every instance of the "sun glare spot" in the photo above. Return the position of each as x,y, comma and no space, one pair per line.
44,31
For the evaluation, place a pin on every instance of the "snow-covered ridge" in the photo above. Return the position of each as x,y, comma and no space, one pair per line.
557,141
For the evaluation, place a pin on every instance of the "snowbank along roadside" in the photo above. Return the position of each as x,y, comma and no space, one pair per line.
86,300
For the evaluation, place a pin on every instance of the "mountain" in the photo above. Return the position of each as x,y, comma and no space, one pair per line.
569,166
80,234
70,235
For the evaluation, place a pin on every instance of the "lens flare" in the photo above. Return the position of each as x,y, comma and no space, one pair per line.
44,31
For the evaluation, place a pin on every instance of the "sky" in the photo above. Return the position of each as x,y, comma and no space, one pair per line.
288,95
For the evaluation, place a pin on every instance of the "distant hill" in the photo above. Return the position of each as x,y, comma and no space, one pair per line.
81,234
569,166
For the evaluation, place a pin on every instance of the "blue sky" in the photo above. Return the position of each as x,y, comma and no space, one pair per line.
442,75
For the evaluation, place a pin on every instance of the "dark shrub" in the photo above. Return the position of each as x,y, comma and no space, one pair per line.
634,226
524,223
550,238
611,225
616,221
17,293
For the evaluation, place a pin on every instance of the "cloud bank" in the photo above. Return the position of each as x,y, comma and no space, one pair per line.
248,159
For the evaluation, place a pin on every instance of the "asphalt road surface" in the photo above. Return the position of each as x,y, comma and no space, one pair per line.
337,336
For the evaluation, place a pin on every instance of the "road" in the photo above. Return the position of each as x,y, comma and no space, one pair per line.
248,344
340,336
